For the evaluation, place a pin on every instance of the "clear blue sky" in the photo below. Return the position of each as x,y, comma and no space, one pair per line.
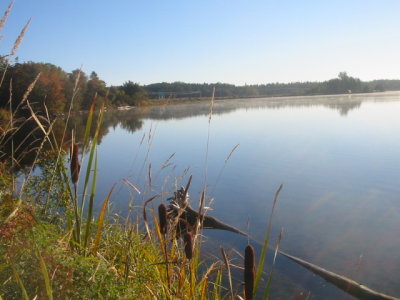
246,41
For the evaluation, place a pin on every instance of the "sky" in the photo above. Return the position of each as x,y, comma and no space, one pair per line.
232,41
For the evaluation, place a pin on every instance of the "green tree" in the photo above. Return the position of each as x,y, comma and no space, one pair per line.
94,86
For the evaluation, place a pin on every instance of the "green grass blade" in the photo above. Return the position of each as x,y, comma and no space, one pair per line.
101,220
228,269
217,285
91,200
46,277
261,262
90,161
19,280
89,124
86,140
268,287
88,172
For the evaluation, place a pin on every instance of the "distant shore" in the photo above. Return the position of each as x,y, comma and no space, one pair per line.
151,102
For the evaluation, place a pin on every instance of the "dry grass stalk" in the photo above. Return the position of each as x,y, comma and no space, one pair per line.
210,112
228,269
28,91
200,214
230,154
249,272
130,184
19,39
162,216
75,166
146,223
5,16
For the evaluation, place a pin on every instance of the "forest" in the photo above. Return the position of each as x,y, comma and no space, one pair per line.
52,88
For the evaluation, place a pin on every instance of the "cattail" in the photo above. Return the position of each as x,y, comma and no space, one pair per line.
188,240
75,166
182,227
162,217
249,272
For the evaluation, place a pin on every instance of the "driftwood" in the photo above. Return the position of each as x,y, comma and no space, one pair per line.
346,284
185,217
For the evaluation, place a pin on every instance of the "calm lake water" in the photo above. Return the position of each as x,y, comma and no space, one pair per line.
338,158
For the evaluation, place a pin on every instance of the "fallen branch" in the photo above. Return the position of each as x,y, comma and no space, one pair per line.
345,284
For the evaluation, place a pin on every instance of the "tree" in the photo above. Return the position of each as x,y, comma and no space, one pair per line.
48,91
94,86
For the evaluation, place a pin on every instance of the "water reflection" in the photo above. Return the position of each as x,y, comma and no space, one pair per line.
341,103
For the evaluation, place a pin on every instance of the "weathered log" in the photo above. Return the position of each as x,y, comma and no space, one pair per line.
346,284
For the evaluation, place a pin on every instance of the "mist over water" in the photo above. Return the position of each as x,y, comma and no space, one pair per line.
337,156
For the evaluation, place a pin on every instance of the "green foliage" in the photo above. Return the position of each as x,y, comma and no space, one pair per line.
47,191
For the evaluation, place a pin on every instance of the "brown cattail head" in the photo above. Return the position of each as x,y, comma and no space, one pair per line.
182,227
188,240
75,166
249,272
162,217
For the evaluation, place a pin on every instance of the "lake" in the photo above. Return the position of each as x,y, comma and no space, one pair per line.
338,158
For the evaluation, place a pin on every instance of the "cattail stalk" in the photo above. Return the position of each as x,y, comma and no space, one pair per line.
162,217
249,272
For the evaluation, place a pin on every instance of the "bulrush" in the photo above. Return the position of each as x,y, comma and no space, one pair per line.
188,240
75,166
162,217
249,272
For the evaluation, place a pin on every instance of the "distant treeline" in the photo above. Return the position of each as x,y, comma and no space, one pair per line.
54,88
341,85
